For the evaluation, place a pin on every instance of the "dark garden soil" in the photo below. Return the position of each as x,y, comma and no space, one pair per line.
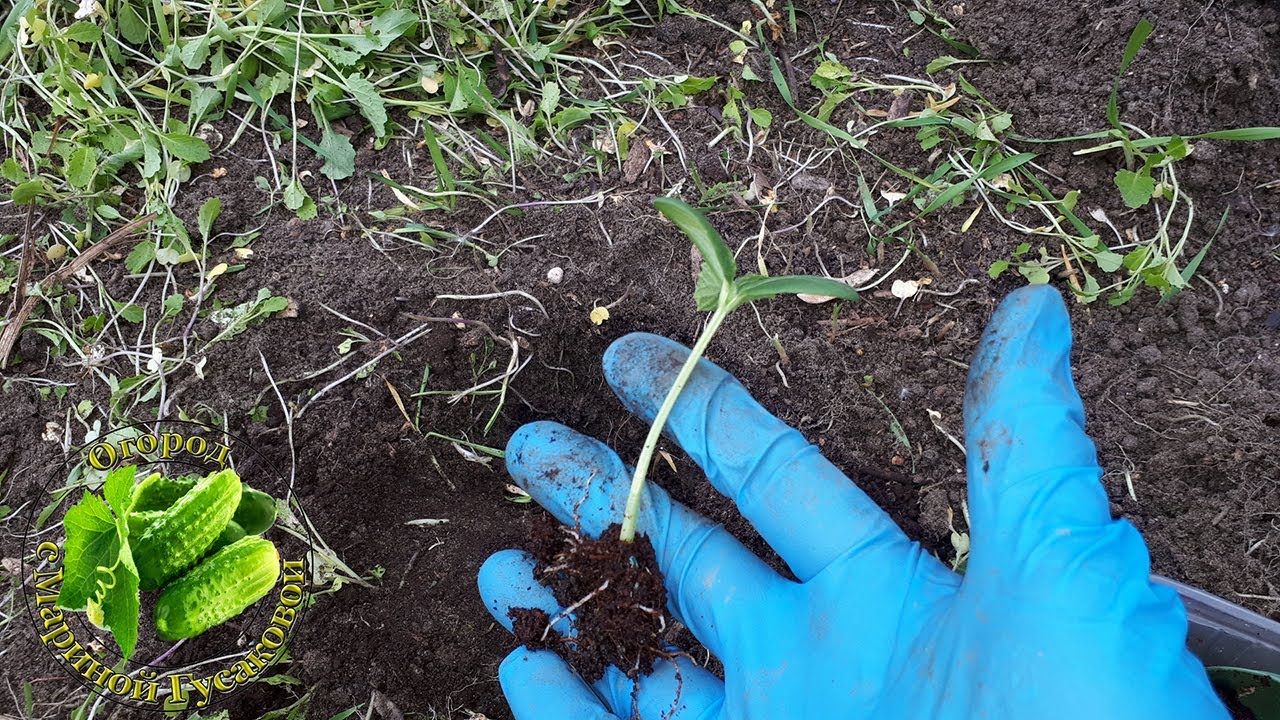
1183,398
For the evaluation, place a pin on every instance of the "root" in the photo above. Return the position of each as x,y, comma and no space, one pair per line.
569,610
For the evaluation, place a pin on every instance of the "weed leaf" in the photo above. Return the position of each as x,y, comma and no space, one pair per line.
383,30
339,155
9,27
1035,274
294,195
550,97
131,25
185,147
370,102
83,32
209,212
1108,261
27,192
1135,187
939,64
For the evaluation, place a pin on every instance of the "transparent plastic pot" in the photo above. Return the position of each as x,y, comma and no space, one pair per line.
1240,648
1222,633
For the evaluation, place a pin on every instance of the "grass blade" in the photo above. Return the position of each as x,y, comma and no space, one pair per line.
1131,49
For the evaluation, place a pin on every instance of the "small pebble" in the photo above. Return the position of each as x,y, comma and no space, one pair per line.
555,275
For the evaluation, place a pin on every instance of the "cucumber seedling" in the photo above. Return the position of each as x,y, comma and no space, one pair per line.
720,290
611,585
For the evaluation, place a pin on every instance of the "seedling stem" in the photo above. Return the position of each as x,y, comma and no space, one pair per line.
720,290
632,512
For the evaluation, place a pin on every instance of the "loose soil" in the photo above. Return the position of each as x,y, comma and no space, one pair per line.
1183,398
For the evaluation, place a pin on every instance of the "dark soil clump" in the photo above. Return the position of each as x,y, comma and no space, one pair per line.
615,593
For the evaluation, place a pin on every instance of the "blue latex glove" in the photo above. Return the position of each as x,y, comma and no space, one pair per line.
1055,617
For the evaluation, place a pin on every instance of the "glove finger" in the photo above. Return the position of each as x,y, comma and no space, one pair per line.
677,689
1035,498
506,581
803,506
540,686
711,578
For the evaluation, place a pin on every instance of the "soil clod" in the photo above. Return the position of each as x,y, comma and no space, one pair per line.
614,591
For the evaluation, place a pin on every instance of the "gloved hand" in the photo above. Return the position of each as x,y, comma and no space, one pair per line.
1055,617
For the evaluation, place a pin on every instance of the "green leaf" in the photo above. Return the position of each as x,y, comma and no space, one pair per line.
131,25
203,99
677,94
8,34
130,153
92,542
467,93
209,212
141,256
383,30
550,97
295,195
715,254
1190,269
273,305
10,170
706,291
81,167
1108,261
27,192
1135,187
150,159
997,269
167,256
1136,258
308,211
831,76
185,147
758,287
939,64
236,319
749,74
370,102
571,117
1243,134
131,313
118,488
120,603
761,117
339,155
959,188
195,52
1131,49
83,32
1034,274
173,305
